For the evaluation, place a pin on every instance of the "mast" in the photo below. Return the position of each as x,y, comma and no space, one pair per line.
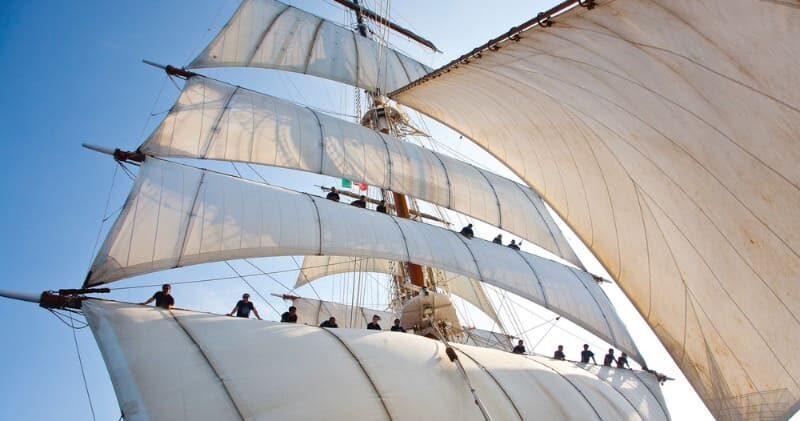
380,120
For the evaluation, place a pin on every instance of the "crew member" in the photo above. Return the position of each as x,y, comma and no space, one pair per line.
289,316
498,239
622,361
514,245
609,358
162,298
333,195
331,323
559,354
244,307
396,327
361,202
520,348
467,231
381,207
374,325
586,355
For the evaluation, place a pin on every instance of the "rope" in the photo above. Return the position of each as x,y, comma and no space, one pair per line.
80,362
223,278
105,216
451,353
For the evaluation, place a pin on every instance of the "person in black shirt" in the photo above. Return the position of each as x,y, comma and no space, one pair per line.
381,207
586,355
609,358
520,348
498,239
333,195
162,298
361,202
289,316
622,361
396,327
244,307
331,322
374,325
467,231
514,245
559,354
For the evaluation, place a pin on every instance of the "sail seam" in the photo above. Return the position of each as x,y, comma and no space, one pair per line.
496,198
474,260
363,370
358,59
571,384
264,36
319,221
314,39
321,141
218,120
502,389
597,303
210,365
539,212
189,220
402,234
619,392
447,178
535,275
388,180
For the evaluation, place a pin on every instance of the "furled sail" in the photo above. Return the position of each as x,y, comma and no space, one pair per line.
313,312
315,267
672,152
290,371
214,120
178,215
273,35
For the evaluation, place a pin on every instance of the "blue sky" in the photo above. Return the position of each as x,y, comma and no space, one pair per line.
72,73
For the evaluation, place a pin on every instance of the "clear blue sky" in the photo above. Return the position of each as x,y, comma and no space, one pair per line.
71,72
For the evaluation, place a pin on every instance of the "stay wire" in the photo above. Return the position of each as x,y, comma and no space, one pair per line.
80,362
105,216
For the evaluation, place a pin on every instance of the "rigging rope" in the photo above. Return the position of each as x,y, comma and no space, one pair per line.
105,216
80,362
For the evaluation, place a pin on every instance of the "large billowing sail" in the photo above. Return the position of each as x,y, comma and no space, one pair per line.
666,134
313,312
315,267
214,120
289,371
274,35
178,215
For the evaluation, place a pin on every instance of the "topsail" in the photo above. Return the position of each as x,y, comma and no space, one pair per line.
274,35
215,120
178,216
666,134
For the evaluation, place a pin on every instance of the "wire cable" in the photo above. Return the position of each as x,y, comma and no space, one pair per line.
80,362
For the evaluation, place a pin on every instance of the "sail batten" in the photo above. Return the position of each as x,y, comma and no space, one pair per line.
270,34
674,158
214,120
221,218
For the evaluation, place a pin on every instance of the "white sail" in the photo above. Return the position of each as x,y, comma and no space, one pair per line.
178,216
223,368
313,312
214,120
488,339
672,152
315,267
274,35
